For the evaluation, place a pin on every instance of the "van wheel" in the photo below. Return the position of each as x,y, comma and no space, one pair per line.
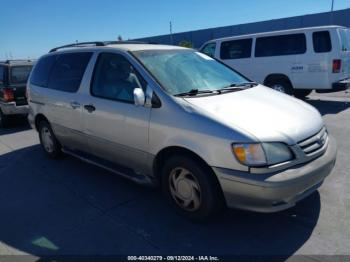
281,85
3,119
48,140
191,188
302,93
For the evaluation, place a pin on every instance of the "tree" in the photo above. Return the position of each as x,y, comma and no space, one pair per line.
120,38
186,43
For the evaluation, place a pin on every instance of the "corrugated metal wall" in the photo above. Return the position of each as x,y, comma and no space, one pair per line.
341,17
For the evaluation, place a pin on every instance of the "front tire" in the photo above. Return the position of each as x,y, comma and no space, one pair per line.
302,93
48,140
191,188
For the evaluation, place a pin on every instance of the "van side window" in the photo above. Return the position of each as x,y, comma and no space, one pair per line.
279,45
40,74
322,42
236,49
345,39
115,78
209,49
68,71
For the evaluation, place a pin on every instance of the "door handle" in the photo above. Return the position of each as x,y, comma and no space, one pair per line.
90,108
75,104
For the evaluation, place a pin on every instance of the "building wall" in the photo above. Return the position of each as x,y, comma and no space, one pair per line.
198,37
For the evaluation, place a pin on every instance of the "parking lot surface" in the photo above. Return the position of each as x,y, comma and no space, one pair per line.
51,207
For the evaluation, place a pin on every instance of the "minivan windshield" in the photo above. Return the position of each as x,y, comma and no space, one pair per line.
183,71
19,74
345,39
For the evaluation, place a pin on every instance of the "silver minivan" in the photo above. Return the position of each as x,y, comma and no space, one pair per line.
174,117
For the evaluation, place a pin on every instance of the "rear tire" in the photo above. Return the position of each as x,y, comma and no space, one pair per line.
281,85
3,120
48,140
302,93
191,188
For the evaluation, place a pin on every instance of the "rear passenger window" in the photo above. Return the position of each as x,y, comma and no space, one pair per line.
322,42
40,74
68,71
115,78
236,49
280,45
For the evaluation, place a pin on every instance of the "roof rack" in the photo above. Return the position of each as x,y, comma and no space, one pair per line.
96,43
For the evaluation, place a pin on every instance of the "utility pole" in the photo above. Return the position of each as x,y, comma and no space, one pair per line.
332,6
171,33
332,9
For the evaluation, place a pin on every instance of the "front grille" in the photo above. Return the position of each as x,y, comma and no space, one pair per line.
315,143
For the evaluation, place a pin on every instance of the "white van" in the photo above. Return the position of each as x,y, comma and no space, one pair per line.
291,61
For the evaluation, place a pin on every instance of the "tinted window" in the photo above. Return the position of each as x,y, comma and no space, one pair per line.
40,74
209,49
68,71
1,75
19,74
236,49
322,42
115,78
280,45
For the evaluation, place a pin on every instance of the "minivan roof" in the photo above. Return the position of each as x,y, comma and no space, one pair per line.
279,32
122,46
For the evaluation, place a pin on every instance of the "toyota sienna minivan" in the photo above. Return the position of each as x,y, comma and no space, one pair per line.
174,117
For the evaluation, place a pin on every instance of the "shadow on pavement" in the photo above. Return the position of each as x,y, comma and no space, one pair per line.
55,207
15,125
327,107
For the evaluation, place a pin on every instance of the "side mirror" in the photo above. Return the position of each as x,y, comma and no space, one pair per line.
139,97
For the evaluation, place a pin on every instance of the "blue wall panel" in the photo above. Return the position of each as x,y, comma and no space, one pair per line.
341,17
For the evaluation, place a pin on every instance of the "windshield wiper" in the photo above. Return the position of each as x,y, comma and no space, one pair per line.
194,92
238,86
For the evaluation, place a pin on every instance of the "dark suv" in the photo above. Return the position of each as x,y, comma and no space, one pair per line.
13,79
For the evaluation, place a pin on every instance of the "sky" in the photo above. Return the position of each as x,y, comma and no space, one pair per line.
29,28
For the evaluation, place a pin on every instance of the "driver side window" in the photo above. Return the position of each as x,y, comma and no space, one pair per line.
115,78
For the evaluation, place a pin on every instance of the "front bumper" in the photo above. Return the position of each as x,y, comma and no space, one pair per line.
277,191
12,109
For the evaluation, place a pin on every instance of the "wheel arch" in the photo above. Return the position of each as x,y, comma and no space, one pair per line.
38,119
276,77
170,151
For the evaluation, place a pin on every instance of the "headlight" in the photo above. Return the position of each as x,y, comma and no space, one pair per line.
261,154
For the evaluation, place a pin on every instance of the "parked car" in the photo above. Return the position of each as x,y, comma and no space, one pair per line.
173,116
13,79
291,61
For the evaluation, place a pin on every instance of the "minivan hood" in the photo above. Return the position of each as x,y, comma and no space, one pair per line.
262,112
